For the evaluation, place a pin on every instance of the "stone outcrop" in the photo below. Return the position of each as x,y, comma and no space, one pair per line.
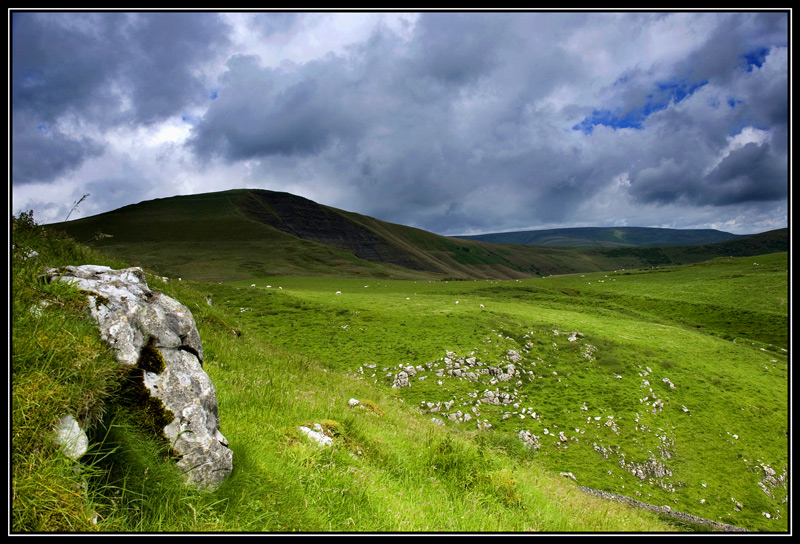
317,435
651,468
156,337
530,439
401,380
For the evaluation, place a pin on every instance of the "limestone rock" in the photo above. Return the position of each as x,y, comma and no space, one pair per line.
401,380
131,318
71,438
317,436
530,439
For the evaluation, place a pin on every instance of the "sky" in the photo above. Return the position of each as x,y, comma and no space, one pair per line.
453,122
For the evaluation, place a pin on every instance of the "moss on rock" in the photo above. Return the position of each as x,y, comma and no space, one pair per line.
152,415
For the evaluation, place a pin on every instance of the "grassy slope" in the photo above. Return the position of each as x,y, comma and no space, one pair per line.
58,365
249,234
717,330
390,469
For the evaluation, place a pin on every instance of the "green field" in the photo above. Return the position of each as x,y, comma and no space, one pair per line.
717,331
666,385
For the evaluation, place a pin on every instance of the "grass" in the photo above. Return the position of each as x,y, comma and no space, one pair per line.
293,351
723,348
58,366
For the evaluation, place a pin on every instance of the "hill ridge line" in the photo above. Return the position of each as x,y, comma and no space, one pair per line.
245,234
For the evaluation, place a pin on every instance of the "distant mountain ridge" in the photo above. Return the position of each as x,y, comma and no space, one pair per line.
607,237
253,233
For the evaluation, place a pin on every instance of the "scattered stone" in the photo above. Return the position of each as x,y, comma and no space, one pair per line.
317,436
664,510
602,450
71,437
658,405
649,468
530,439
401,380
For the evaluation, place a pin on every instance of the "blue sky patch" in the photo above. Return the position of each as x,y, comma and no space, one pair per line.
756,58
666,92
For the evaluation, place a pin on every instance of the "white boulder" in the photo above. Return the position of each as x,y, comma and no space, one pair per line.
131,318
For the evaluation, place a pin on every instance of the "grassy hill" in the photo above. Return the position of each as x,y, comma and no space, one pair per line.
249,234
293,351
245,234
608,237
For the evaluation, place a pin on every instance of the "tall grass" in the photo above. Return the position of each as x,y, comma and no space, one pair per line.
60,366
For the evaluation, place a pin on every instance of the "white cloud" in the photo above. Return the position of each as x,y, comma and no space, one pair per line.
748,135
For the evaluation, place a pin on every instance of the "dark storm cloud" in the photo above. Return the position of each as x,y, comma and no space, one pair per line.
398,115
301,109
749,174
111,67
264,111
63,64
99,70
735,44
41,152
164,52
686,139
457,48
